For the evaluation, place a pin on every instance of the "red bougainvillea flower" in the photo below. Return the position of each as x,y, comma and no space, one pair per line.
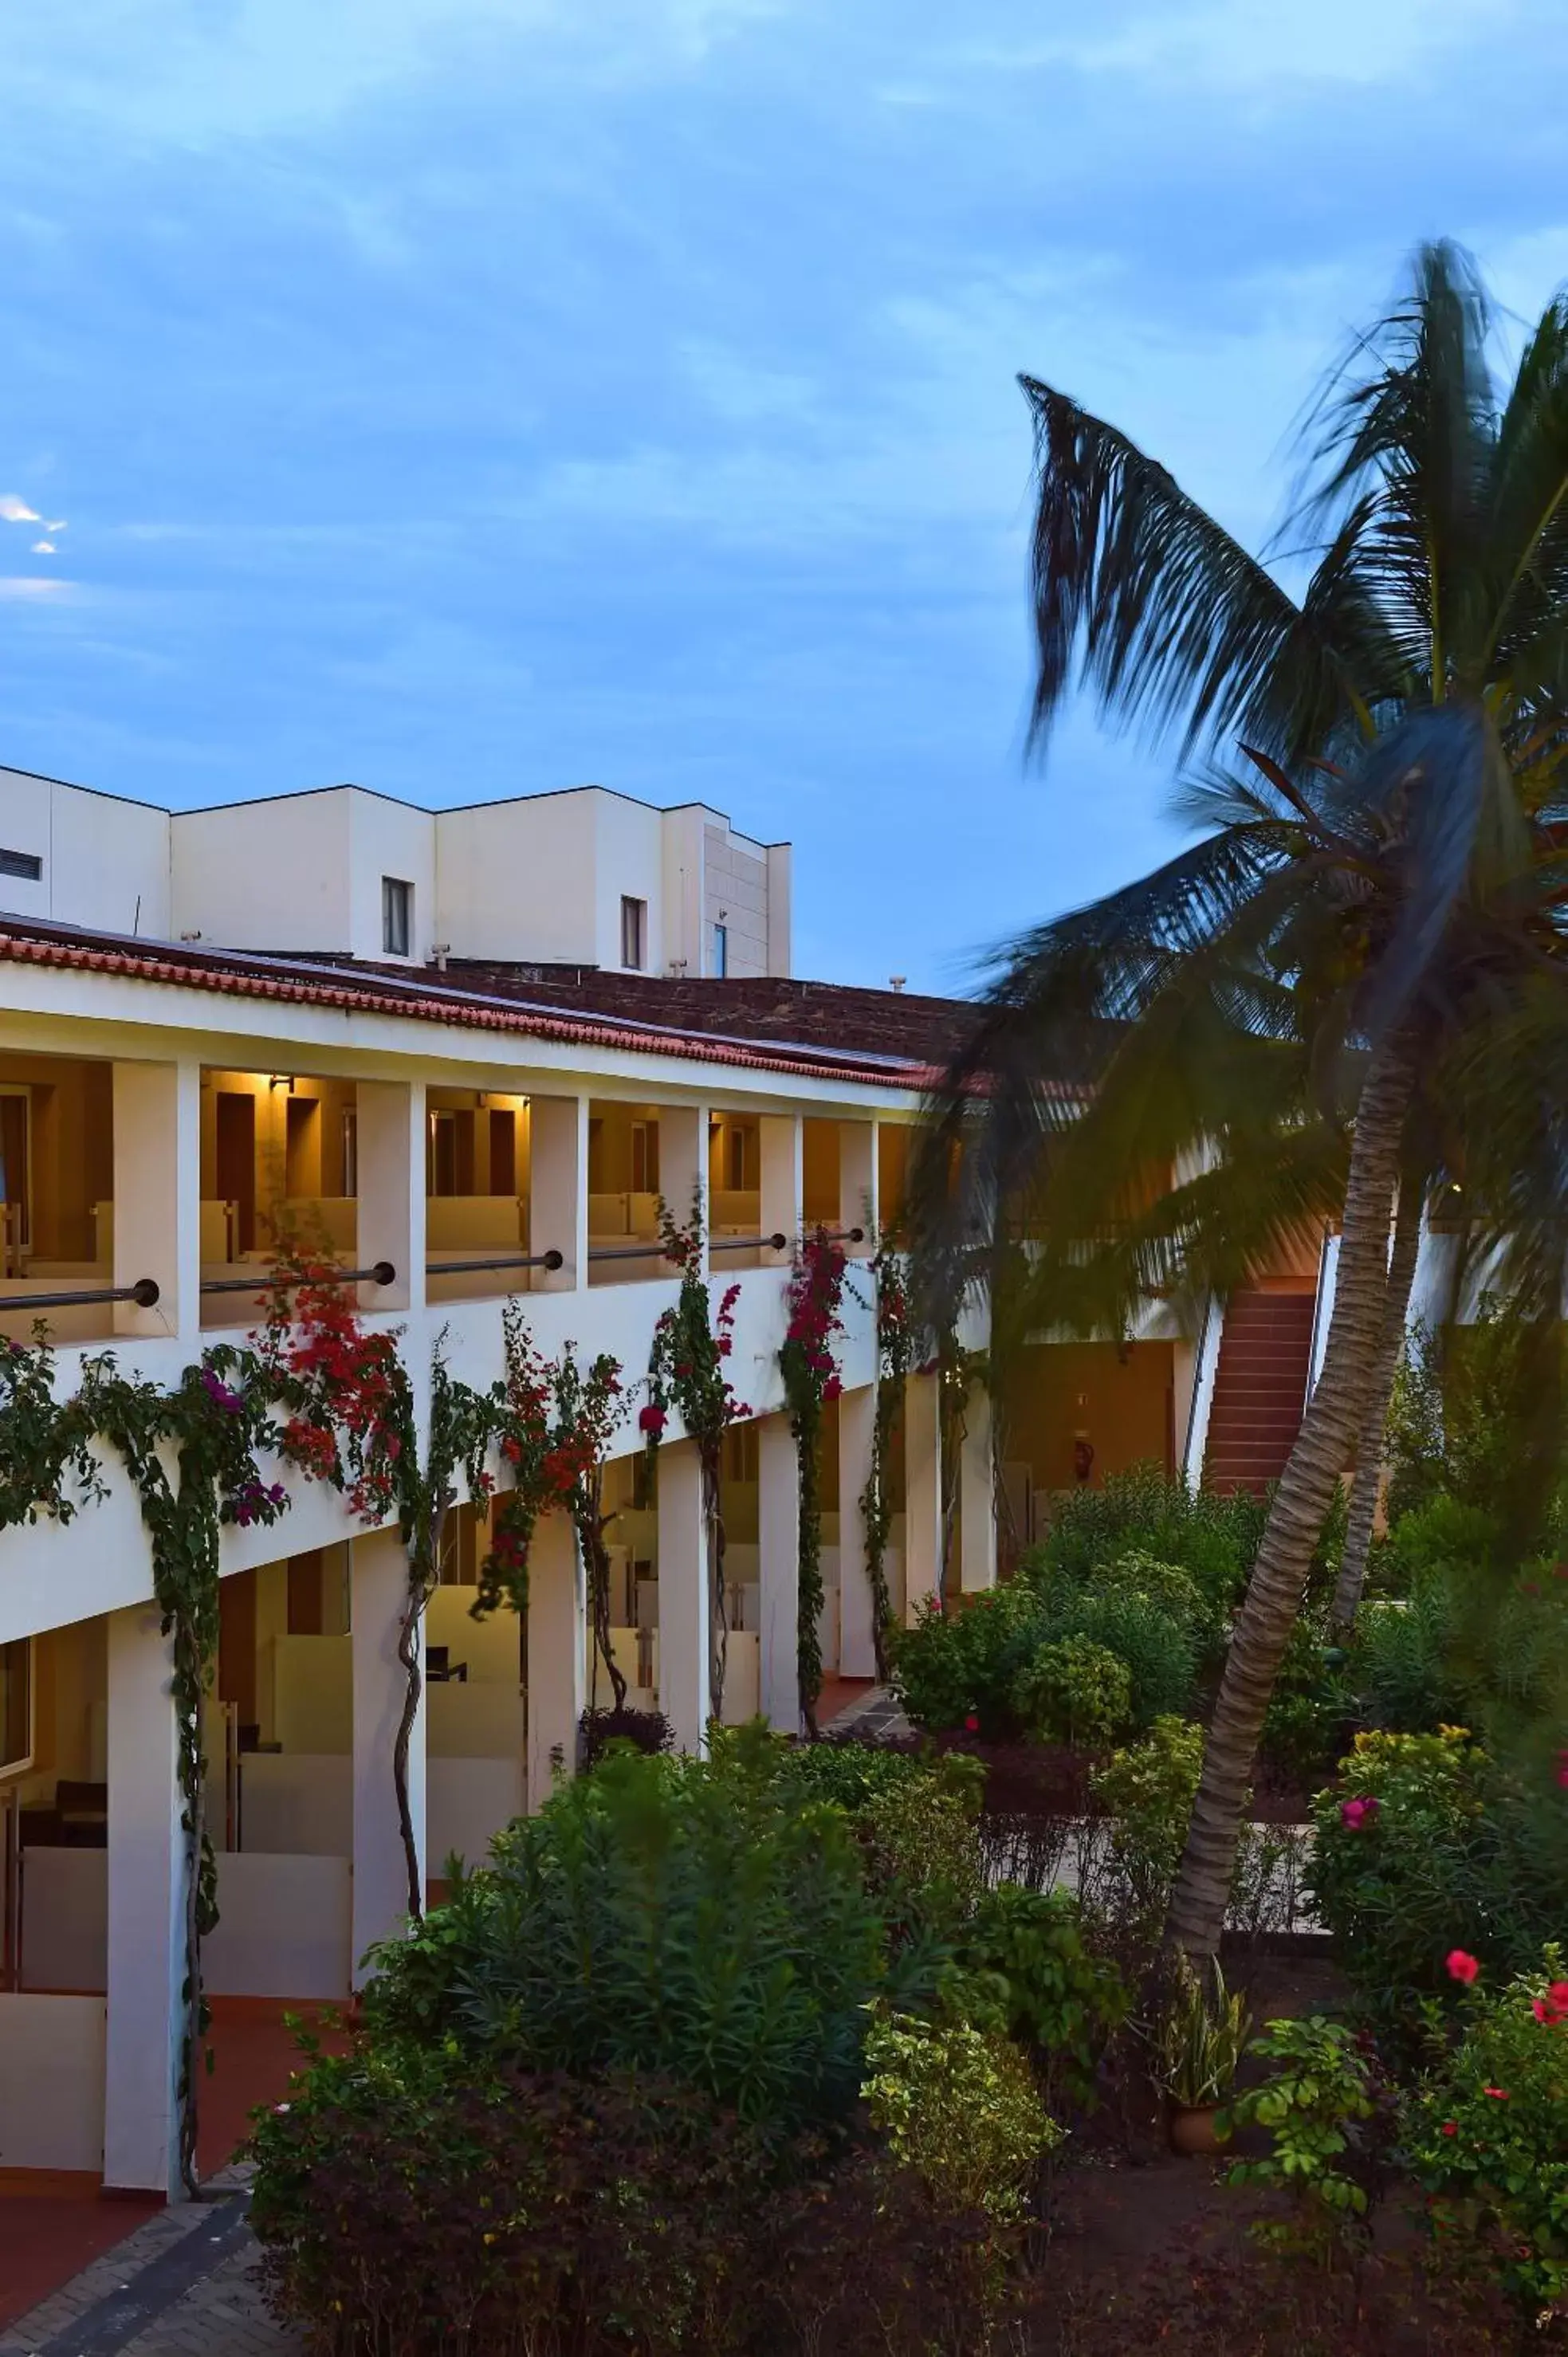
1462,1967
1354,1814
1563,1769
1553,2008
971,1725
652,1419
1501,2094
1450,2128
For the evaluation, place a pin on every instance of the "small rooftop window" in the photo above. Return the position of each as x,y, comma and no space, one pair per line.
397,916
633,933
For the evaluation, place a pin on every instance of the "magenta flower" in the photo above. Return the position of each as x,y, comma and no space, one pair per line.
1462,1967
1354,1814
653,1419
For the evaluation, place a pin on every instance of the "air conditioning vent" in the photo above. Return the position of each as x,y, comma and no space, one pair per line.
22,863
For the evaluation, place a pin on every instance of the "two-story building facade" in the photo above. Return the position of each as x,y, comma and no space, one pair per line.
430,1045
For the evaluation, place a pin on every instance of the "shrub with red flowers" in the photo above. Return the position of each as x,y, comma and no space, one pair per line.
895,1357
1486,2134
806,1361
688,1374
350,1405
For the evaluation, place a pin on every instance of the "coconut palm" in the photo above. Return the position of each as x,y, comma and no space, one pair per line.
1339,998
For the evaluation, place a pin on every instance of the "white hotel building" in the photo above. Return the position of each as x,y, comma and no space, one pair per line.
452,1043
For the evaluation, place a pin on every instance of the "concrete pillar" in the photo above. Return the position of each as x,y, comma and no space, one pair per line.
158,1194
783,1183
857,1185
379,1577
684,1633
147,1912
858,1634
557,1654
977,1497
558,1190
923,1489
779,1553
389,1122
684,1171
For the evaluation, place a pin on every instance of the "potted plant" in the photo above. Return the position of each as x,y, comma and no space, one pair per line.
1199,2044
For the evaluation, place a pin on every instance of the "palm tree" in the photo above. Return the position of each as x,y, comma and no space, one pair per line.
1338,998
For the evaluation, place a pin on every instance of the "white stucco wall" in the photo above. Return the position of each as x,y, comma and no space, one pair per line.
106,862
267,876
515,880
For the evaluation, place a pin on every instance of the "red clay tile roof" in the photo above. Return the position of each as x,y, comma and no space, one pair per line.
817,1030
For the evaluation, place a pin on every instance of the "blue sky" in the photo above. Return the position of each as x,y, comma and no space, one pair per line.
477,396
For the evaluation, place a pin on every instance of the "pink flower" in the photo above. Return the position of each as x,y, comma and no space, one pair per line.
1450,2128
971,1725
1462,1967
1354,1814
653,1419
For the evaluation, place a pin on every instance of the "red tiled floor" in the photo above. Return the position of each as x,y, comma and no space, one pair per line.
838,1693
53,2223
254,2055
50,2230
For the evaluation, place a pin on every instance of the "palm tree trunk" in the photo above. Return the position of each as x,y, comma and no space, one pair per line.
1268,1614
1374,1424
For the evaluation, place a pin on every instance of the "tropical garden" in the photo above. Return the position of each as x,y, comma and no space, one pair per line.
1228,1824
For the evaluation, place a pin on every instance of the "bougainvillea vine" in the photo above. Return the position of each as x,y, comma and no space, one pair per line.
894,1356
811,1379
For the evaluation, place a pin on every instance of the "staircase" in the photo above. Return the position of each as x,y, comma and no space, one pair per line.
1260,1388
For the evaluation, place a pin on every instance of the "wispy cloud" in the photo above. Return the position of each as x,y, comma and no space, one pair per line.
43,548
15,510
34,589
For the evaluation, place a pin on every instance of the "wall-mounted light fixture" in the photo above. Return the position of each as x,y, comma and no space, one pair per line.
281,1081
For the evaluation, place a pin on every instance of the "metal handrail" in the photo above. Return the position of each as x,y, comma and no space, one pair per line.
775,1243
144,1293
654,1251
382,1273
551,1260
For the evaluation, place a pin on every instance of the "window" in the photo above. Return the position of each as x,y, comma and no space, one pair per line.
397,916
25,864
634,933
721,950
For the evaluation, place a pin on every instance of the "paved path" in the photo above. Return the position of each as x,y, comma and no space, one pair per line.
184,2285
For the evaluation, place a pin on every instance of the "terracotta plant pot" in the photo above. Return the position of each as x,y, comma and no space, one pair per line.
1192,2132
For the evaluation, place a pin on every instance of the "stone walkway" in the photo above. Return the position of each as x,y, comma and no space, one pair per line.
184,2285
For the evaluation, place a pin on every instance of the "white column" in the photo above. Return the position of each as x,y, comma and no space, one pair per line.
779,1553
683,1170
146,1912
558,1190
782,1182
684,1636
388,1127
977,1497
923,1489
858,1634
557,1654
379,1578
857,1185
158,1194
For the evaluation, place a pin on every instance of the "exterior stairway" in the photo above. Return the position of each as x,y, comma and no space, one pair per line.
1260,1388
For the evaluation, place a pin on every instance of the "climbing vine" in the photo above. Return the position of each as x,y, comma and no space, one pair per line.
687,1369
811,1379
554,1422
894,1356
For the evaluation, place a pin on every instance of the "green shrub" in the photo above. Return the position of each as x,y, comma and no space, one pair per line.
694,1918
1311,1706
839,1769
1147,1789
1074,1692
1419,1850
1399,1664
1315,2106
1487,2134
1159,1654
409,2200
924,1865
957,1665
1212,1539
1043,1985
960,2106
